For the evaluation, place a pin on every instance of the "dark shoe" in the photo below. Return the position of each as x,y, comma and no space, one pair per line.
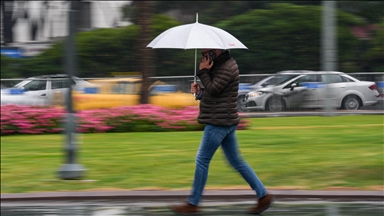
185,208
262,205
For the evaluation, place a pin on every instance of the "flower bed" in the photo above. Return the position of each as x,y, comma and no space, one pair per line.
17,119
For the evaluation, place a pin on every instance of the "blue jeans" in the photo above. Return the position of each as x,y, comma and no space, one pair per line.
213,137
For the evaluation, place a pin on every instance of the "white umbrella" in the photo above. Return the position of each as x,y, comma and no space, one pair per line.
196,36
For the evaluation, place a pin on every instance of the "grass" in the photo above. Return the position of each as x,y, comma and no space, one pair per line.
286,152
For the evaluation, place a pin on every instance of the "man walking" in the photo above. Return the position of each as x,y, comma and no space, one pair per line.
219,75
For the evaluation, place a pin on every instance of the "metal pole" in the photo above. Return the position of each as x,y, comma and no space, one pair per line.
328,48
70,170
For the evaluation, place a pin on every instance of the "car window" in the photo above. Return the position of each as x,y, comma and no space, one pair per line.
280,79
62,83
347,79
21,84
331,78
307,78
36,85
304,79
124,88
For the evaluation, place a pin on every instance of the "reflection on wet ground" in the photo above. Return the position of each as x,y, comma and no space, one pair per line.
98,208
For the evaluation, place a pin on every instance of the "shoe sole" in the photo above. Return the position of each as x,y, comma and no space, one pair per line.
180,213
261,211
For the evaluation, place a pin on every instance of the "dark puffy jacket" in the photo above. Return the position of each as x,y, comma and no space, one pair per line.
218,105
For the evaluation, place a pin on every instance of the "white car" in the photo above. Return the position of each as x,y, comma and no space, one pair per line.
314,90
267,81
40,90
380,87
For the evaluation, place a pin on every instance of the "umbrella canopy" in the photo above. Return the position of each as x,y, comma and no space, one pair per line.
196,36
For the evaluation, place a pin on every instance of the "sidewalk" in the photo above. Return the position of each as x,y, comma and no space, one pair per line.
176,195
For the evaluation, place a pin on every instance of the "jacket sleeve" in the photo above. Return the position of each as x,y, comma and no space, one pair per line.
198,97
216,83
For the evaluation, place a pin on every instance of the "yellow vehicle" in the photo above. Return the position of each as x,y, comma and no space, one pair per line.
126,92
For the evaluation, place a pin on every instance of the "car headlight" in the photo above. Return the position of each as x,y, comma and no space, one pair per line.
255,94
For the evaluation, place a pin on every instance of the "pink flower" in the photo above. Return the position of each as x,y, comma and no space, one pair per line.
36,120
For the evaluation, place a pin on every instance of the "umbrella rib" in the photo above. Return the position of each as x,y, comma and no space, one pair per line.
187,39
221,40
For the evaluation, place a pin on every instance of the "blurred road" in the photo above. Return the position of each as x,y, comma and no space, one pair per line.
215,202
107,208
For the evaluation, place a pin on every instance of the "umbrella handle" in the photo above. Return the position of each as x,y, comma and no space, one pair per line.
194,94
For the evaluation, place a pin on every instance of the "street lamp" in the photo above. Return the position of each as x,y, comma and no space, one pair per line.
328,48
70,170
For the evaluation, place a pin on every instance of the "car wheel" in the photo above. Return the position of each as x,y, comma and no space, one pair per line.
351,102
275,104
241,103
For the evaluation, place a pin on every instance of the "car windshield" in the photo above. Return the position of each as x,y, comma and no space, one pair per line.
280,79
22,83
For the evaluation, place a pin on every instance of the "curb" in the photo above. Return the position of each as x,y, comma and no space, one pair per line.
217,195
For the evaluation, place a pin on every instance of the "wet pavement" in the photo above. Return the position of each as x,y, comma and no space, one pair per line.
215,202
109,208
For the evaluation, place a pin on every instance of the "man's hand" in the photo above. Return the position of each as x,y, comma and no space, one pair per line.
195,88
205,63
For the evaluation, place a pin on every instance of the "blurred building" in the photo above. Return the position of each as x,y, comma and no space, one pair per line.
29,27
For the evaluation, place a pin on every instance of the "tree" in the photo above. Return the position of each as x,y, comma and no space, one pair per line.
280,37
103,51
375,55
10,67
286,37
372,11
146,60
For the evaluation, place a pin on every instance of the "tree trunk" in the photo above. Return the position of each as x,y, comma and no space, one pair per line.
145,13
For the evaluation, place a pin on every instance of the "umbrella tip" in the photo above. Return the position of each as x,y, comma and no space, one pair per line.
197,17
